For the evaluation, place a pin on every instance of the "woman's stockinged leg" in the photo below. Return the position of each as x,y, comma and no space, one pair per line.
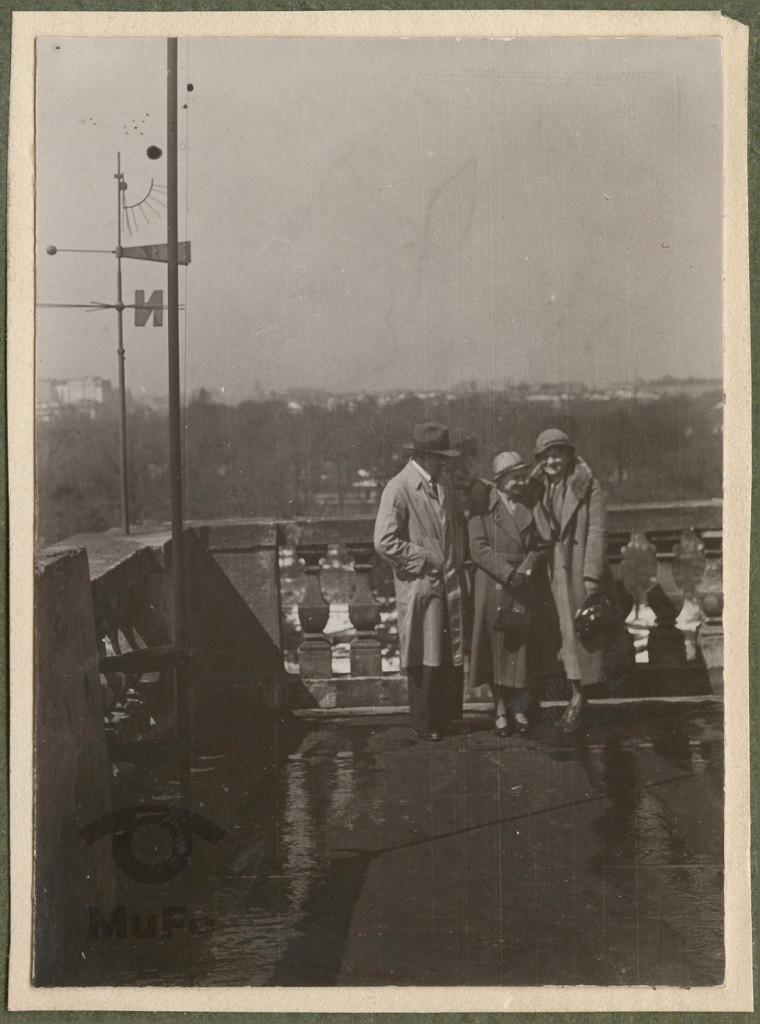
502,724
519,707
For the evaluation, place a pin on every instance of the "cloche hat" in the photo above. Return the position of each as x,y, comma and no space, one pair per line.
549,438
508,462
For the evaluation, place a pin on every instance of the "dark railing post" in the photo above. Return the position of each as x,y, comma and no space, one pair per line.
314,652
364,613
666,644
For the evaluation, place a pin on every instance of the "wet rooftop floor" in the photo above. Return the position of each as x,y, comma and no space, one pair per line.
355,855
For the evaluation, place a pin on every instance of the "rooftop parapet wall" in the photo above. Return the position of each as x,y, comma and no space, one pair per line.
71,773
662,520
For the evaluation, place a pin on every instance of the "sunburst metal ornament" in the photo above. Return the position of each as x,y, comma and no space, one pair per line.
149,207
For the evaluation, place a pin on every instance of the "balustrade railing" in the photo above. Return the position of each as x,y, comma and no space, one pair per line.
666,560
671,587
324,612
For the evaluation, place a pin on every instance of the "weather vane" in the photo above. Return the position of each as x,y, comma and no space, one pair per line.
151,203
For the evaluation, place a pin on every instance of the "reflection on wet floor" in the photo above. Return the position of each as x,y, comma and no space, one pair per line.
354,855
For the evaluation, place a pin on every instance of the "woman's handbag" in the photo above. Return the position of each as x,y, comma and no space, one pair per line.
513,618
593,619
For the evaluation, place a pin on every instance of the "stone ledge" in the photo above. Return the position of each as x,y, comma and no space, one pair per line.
341,692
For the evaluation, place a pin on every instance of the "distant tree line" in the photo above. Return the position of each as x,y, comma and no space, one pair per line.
274,457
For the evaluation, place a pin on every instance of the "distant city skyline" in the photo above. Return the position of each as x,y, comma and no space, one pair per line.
384,214
89,390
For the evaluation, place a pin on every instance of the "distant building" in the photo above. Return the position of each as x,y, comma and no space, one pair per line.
156,403
551,399
90,395
84,389
362,497
689,387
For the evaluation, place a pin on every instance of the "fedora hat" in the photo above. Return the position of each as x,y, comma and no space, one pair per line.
433,439
551,438
508,462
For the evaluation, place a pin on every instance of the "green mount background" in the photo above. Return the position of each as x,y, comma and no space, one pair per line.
746,11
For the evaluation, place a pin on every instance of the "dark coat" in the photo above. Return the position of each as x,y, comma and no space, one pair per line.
498,544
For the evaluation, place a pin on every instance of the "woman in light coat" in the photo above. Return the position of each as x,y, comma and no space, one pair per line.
571,517
500,539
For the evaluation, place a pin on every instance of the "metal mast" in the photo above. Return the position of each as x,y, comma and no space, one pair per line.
121,186
172,283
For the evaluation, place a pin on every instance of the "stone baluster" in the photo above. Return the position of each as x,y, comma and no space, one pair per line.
314,652
666,644
710,631
638,568
688,569
639,571
666,554
364,613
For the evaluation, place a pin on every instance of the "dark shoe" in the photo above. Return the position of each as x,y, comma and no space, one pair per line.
522,728
502,731
431,737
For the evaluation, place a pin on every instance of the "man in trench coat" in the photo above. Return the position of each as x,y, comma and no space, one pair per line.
416,532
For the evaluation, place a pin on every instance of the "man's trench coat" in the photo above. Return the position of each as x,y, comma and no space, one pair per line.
426,552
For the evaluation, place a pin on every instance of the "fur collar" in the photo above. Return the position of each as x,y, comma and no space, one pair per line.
580,479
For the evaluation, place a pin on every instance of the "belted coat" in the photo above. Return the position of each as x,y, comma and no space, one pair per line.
499,541
579,535
422,543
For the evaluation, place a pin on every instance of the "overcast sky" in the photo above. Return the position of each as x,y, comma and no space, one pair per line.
369,214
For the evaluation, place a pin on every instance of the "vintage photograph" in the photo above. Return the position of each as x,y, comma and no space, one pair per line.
379,511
